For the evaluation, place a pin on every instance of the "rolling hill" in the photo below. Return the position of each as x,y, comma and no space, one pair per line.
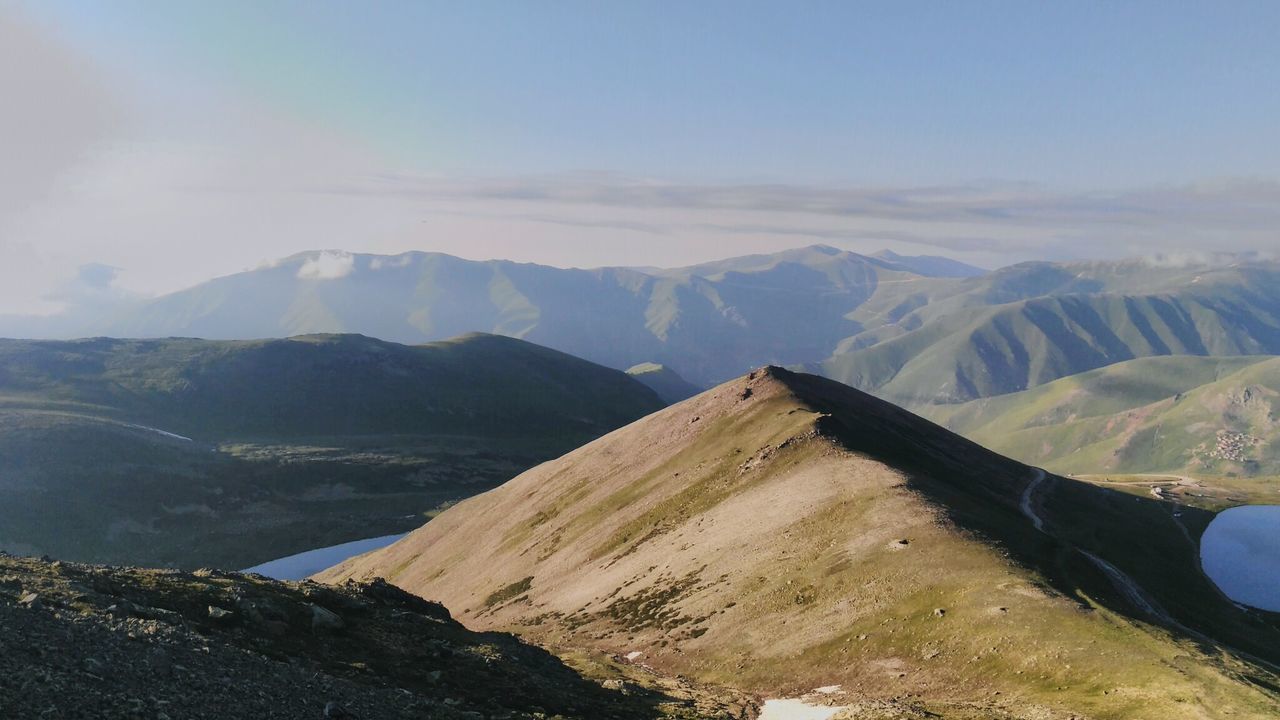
183,452
1030,324
782,532
1195,415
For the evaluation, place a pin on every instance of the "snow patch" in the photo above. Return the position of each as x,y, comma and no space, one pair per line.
797,710
328,265
158,431
397,261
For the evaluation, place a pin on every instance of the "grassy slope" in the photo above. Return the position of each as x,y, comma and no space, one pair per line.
992,350
1147,415
295,443
664,381
322,385
753,536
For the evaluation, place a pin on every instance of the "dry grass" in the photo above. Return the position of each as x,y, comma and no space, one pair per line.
734,539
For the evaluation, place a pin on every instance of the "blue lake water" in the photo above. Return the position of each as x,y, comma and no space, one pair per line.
305,564
1240,552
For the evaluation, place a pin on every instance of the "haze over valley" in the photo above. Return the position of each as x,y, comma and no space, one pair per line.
639,361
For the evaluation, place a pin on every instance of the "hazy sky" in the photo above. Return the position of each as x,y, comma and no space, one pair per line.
146,146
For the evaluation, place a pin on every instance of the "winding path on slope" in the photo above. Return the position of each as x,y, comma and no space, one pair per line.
1128,588
1125,585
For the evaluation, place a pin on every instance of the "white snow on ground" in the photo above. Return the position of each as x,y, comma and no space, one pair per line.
796,710
827,689
634,655
306,564
1240,552
158,431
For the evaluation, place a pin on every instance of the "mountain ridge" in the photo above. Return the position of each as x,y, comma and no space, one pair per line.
782,532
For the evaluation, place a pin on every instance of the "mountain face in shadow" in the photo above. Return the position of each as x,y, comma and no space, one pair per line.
195,452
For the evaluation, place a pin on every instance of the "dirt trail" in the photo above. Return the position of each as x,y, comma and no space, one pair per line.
1131,590
1125,585
1026,503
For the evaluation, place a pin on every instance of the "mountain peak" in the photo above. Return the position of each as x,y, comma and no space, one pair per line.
783,531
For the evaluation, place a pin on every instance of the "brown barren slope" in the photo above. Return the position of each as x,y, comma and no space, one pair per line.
783,532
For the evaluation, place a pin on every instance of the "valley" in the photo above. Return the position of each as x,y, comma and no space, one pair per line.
635,360
781,545
185,453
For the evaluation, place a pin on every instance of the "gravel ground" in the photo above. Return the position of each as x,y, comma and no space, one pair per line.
80,641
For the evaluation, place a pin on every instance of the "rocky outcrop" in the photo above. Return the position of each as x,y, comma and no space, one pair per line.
81,641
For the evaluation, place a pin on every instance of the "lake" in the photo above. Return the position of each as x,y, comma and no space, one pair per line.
305,564
1240,552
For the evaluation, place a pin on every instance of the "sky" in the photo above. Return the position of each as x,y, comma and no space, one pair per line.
149,146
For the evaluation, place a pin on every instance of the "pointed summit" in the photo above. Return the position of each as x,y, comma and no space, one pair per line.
783,532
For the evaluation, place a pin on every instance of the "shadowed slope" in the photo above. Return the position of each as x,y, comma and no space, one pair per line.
230,453
83,641
783,532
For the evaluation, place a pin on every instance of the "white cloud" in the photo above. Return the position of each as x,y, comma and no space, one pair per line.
57,110
190,203
397,261
327,265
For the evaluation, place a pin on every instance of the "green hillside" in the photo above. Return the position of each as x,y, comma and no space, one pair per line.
191,452
1212,416
983,351
664,381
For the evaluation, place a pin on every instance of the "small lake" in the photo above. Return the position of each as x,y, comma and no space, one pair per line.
305,564
1240,552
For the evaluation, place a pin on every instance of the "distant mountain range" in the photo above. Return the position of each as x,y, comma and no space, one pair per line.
927,333
915,330
707,322
190,452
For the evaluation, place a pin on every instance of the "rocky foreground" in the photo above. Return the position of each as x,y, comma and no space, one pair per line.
82,641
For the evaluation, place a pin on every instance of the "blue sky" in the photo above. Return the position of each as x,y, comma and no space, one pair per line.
220,134
1090,94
